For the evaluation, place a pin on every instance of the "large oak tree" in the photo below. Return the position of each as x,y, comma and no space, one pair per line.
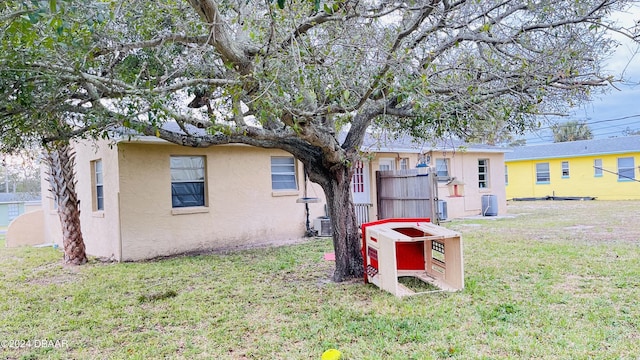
308,77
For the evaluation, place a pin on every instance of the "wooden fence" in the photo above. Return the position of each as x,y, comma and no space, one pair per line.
406,194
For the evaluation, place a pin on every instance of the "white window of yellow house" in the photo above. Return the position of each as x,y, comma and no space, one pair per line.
187,181
98,185
626,169
404,164
483,173
542,173
283,173
597,167
565,169
442,169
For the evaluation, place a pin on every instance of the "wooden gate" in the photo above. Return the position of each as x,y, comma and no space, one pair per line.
406,194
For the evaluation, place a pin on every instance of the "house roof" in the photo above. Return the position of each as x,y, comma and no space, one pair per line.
371,142
407,144
616,145
13,197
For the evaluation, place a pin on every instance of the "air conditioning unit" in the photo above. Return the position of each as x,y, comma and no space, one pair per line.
442,210
323,226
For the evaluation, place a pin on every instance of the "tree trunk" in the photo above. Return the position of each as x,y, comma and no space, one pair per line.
63,186
346,242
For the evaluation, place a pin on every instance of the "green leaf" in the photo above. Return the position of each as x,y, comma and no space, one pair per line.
34,17
281,4
53,5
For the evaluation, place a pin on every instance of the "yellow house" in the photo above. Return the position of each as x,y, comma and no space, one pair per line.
143,197
605,169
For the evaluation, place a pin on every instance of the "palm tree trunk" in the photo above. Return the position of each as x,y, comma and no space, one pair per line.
61,173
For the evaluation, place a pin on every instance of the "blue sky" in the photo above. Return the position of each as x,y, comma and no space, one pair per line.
610,114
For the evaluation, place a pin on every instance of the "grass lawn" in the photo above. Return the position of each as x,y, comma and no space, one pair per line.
556,280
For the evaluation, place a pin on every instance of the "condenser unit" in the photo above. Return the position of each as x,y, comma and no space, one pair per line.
442,210
323,226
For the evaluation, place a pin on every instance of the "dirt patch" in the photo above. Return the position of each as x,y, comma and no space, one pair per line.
575,284
55,273
592,222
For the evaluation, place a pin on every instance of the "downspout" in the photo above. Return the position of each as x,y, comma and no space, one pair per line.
119,230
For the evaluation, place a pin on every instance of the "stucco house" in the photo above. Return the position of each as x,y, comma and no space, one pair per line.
143,197
465,172
605,169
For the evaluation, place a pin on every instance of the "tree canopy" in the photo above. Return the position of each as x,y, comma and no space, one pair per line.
573,130
295,74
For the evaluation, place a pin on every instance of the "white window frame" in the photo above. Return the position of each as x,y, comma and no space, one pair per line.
506,175
626,172
483,173
565,169
597,167
284,176
188,174
540,178
387,164
98,184
442,169
13,210
357,180
404,164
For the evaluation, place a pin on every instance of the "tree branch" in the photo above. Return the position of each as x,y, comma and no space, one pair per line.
413,26
173,38
232,51
11,16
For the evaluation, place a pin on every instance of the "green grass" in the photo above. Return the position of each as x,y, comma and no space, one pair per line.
559,280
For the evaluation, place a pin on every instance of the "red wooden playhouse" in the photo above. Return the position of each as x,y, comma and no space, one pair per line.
393,248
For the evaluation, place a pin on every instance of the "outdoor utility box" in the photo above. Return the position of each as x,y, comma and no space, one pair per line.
393,248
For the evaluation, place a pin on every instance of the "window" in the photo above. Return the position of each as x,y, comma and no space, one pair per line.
597,167
437,251
187,181
542,173
404,164
13,210
98,200
506,175
387,165
626,169
483,173
358,177
283,173
442,169
565,169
